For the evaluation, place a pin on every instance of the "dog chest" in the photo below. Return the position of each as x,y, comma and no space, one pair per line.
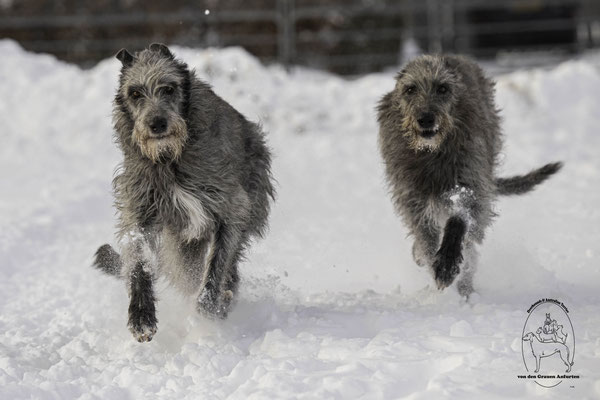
195,216
435,211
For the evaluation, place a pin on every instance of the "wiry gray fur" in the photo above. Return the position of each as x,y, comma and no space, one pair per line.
440,139
194,187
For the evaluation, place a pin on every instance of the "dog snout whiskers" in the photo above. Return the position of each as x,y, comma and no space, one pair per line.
431,132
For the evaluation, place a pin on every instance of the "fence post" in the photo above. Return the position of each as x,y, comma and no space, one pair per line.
448,37
286,32
586,10
434,26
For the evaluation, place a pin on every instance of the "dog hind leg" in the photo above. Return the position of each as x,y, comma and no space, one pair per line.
465,281
567,362
220,282
230,286
108,260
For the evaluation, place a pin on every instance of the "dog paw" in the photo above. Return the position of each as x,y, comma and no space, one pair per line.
465,287
213,304
142,322
445,270
142,332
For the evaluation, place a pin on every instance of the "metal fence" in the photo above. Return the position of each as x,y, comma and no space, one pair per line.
343,36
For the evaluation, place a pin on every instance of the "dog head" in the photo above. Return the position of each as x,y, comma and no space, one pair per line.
528,337
426,94
151,102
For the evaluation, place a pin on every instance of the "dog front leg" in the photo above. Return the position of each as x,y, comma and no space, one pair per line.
449,255
142,311
220,277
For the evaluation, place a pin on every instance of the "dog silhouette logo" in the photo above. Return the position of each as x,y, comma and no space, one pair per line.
548,342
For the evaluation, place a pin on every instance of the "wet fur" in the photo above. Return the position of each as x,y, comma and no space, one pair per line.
188,203
444,186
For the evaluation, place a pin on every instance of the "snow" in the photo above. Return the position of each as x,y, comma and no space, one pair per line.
332,305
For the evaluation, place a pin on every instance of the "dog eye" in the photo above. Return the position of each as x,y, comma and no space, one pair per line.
442,89
169,90
135,95
410,89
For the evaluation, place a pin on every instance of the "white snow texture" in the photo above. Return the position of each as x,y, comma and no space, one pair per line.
332,305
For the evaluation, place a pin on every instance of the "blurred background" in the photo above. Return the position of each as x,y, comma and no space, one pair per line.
342,36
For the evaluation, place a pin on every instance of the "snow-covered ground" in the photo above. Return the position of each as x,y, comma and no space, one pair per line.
332,305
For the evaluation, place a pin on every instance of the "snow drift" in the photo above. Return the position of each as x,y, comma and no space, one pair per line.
332,305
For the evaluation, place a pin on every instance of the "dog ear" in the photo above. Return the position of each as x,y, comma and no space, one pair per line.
125,57
400,74
162,49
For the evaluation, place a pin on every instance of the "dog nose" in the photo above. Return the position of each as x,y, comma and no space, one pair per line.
426,121
158,125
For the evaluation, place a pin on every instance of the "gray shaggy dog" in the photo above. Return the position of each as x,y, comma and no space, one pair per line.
440,139
194,187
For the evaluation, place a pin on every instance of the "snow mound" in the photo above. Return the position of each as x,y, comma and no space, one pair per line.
332,305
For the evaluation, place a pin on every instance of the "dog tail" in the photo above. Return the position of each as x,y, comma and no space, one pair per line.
524,183
108,260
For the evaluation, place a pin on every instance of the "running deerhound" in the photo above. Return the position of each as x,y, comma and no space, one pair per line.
194,187
440,138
